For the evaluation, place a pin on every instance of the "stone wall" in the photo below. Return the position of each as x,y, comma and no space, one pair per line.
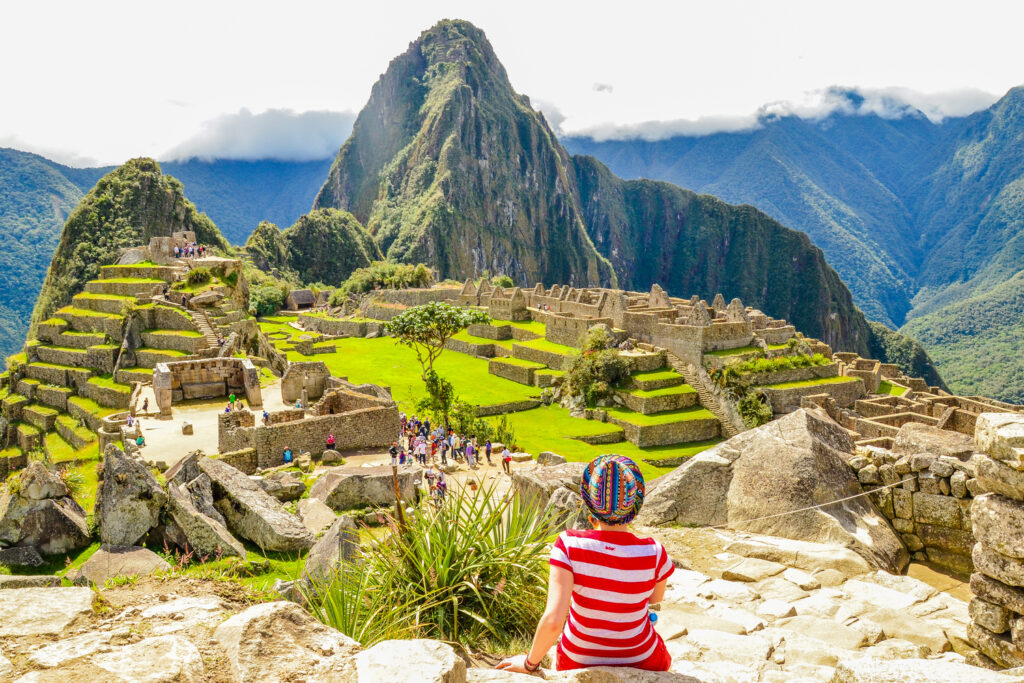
553,360
205,378
787,400
686,431
418,297
175,342
495,332
997,609
311,375
522,374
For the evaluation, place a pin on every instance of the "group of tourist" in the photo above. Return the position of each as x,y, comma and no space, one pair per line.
190,250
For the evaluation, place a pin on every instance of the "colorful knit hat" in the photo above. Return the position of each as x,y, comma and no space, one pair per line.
613,489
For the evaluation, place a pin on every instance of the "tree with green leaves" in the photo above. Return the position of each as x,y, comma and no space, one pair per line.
427,328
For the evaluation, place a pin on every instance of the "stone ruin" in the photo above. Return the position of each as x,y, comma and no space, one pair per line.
206,378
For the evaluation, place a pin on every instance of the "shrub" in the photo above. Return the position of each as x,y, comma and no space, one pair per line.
383,275
502,281
472,572
267,299
198,276
756,408
593,374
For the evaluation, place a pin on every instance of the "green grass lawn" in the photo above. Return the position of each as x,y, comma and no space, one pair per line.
810,382
733,352
633,417
655,375
72,424
885,387
382,361
91,406
551,428
108,382
544,345
176,333
131,280
170,353
104,297
280,318
41,409
534,326
666,391
85,313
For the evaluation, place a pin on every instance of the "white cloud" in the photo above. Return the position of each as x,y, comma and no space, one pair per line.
61,156
273,134
888,103
604,87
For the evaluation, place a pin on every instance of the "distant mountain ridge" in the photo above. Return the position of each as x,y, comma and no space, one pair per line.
919,218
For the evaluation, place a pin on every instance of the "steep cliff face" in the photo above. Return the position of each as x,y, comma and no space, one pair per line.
697,244
127,207
324,246
449,166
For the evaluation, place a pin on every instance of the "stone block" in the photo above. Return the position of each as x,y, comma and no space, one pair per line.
998,524
954,540
994,618
997,592
944,487
996,477
954,562
904,526
1017,632
903,503
921,462
912,541
928,483
888,474
998,648
910,484
958,484
1001,435
1000,567
937,510
186,428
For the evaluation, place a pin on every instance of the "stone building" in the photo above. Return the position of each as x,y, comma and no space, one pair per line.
206,378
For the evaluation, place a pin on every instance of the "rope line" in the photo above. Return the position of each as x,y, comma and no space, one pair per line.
811,507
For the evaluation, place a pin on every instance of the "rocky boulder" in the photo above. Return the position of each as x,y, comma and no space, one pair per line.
428,661
129,499
1001,435
339,544
916,437
201,533
279,641
112,561
787,465
549,458
285,486
566,507
315,515
345,488
332,457
20,557
52,526
251,512
537,484
42,611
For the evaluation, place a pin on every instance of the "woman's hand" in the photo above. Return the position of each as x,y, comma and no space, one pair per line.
515,664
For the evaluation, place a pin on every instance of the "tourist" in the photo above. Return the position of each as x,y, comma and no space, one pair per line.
231,400
430,475
287,455
442,486
470,455
506,460
604,576
487,450
131,420
444,451
266,418
140,441
394,453
456,446
330,442
421,451
145,405
227,408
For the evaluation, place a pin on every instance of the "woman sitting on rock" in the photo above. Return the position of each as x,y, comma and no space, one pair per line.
602,582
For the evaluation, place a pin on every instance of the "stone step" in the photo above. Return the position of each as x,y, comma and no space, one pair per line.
188,341
148,358
139,270
69,429
39,416
667,428
79,340
83,320
134,287
103,303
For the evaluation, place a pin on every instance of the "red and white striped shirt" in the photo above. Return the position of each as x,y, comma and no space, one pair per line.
614,574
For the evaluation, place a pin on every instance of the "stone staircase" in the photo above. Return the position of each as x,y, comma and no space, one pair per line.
205,328
707,399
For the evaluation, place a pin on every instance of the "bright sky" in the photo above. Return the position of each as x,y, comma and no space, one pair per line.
104,81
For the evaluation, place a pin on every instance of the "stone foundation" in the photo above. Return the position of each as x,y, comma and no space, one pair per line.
202,378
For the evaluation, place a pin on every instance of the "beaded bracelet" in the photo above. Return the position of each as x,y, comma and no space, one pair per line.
526,664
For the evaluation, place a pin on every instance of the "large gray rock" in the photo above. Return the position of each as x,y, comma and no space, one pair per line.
201,533
112,561
42,611
566,506
998,523
869,670
285,486
998,477
162,658
549,458
251,512
29,581
200,490
346,488
537,484
788,465
411,661
23,556
997,592
51,525
315,515
279,641
129,499
1001,435
339,544
916,437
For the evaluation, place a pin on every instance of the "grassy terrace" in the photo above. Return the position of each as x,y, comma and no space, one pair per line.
105,297
627,415
544,345
163,352
655,375
86,313
667,391
91,406
465,336
175,333
885,387
27,429
810,382
734,352
41,409
140,264
138,371
107,382
520,362
132,280
530,325
72,424
68,349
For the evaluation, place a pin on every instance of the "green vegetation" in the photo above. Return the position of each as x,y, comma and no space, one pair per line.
91,406
666,391
465,336
383,275
441,572
543,344
779,363
810,382
107,382
722,353
520,363
325,245
633,417
886,387
426,329
655,375
594,372
127,207
176,333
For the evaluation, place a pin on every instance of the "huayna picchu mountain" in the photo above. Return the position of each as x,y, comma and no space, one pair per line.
447,165
127,207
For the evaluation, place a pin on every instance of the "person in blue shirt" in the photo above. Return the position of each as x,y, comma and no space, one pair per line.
287,455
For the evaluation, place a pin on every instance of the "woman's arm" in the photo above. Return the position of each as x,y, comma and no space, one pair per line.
659,592
551,623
